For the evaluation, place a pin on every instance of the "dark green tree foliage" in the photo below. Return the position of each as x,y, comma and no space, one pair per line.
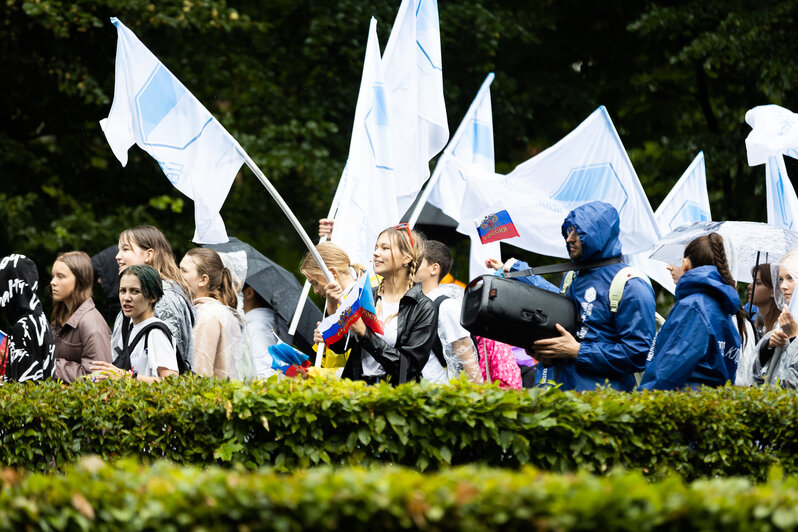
283,76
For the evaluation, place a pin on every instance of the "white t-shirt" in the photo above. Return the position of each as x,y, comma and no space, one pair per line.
372,368
449,331
160,351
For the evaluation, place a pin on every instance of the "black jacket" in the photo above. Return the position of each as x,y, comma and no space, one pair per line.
416,331
30,354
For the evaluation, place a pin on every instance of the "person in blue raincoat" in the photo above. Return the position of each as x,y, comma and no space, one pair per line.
699,343
609,347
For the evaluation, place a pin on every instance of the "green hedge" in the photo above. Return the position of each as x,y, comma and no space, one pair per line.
292,424
127,496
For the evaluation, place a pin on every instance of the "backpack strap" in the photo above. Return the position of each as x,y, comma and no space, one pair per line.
567,281
123,359
619,283
437,347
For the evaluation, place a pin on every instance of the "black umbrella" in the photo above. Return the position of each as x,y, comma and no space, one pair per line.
280,289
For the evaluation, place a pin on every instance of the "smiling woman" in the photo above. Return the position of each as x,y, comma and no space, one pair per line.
81,334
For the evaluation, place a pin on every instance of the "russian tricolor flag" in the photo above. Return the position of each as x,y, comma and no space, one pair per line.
496,226
358,303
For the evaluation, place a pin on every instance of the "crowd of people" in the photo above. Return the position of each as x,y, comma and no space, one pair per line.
197,316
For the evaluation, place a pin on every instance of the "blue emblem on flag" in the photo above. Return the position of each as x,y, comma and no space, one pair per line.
596,182
687,213
162,97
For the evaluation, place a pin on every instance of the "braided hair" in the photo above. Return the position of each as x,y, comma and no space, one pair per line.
409,243
708,250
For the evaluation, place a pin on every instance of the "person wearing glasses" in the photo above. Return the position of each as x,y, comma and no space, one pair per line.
408,316
610,346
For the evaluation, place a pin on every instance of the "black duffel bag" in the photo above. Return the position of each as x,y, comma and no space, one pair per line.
517,313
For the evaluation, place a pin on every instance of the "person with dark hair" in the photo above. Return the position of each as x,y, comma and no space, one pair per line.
81,334
763,298
144,351
107,270
453,351
612,338
148,245
221,345
699,343
30,349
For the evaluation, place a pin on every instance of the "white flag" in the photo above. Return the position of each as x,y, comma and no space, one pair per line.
153,109
775,133
781,198
413,73
588,164
688,201
365,202
471,144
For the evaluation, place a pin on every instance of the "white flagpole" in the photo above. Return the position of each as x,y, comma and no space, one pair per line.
436,174
299,229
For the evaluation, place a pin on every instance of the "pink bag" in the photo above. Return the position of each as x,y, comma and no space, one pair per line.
501,362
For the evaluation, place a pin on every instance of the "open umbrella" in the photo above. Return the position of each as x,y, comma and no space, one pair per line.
280,289
752,243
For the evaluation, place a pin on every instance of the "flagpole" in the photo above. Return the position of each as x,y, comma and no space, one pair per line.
436,174
287,211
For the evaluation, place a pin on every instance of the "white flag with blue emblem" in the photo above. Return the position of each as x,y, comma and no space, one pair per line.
687,202
365,202
413,72
472,145
588,164
774,133
153,109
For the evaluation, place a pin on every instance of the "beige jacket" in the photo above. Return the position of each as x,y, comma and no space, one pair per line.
84,338
221,344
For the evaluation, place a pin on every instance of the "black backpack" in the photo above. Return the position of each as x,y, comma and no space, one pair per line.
122,359
437,347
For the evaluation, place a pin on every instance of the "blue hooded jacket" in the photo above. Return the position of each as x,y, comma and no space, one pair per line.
613,346
699,343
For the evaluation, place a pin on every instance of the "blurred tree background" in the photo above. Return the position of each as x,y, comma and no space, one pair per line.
282,76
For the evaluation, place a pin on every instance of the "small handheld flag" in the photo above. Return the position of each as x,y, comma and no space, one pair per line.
357,303
496,226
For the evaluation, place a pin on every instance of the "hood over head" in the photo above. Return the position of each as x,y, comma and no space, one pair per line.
19,280
598,226
707,280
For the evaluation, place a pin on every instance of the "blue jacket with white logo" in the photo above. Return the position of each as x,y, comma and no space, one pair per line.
613,346
699,343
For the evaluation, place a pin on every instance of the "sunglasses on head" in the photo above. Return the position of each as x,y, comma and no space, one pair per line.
406,227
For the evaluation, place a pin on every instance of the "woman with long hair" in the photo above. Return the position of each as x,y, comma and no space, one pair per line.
699,343
398,354
148,245
80,332
145,352
763,298
221,347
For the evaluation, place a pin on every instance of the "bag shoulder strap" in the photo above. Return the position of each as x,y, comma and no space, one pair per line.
437,347
619,283
567,281
563,267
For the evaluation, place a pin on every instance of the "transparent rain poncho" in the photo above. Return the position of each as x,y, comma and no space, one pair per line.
785,372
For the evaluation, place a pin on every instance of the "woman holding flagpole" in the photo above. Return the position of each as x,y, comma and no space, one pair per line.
398,354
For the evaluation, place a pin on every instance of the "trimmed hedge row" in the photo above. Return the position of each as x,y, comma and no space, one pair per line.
293,424
126,496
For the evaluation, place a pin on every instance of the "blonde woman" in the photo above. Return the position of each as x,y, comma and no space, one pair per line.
148,245
400,353
80,332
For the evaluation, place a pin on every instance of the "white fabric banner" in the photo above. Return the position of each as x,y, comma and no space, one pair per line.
471,144
688,201
153,109
781,198
588,164
365,200
774,133
413,72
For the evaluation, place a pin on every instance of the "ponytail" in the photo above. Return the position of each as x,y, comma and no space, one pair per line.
220,279
709,250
